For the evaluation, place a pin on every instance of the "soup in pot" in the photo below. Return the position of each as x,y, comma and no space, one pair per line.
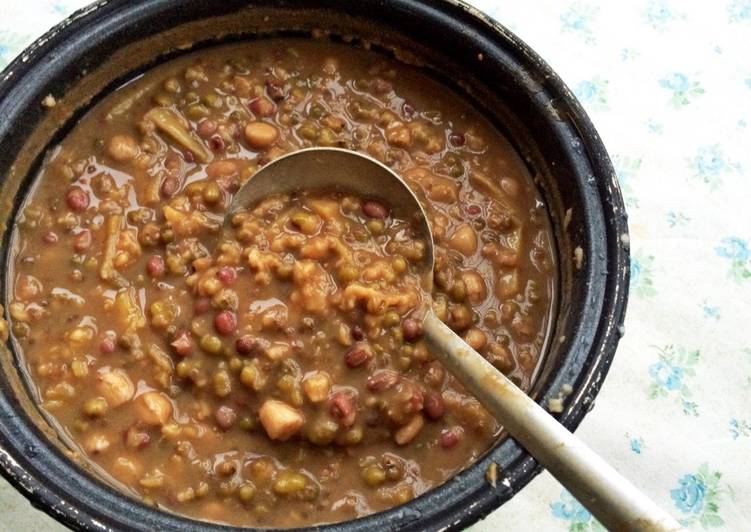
273,372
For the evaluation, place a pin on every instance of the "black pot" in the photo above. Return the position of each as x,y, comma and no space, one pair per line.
105,44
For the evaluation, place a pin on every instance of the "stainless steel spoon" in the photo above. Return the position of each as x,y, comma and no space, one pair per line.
612,499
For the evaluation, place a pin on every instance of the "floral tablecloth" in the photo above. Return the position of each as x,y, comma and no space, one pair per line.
668,85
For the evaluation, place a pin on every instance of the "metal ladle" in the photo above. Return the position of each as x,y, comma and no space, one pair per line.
612,499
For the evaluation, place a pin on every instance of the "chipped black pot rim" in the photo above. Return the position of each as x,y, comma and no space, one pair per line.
58,487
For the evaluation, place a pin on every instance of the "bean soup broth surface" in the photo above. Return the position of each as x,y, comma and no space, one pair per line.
273,373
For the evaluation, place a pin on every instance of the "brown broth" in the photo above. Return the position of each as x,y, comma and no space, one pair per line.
117,292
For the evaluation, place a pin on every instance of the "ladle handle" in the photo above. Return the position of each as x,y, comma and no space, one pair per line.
612,499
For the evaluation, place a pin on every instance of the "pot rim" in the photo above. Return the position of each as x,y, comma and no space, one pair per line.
25,452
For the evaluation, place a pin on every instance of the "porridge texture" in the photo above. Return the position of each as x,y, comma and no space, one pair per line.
271,372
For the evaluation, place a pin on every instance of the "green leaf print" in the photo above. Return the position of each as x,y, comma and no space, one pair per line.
684,90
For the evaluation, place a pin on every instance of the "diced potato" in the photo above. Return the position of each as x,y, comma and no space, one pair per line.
277,352
313,286
379,270
115,386
280,420
322,247
507,285
96,443
153,408
185,220
325,208
80,336
464,240
377,302
316,386
397,134
475,286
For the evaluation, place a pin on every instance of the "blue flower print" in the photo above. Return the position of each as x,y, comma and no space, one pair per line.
59,8
677,218
738,252
748,83
677,82
739,10
636,444
577,20
658,14
709,160
689,495
654,127
593,94
667,376
586,91
710,164
574,20
739,428
734,248
571,510
636,269
683,89
628,53
671,375
710,311
698,498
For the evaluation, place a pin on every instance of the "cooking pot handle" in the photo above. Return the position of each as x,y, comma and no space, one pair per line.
612,499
